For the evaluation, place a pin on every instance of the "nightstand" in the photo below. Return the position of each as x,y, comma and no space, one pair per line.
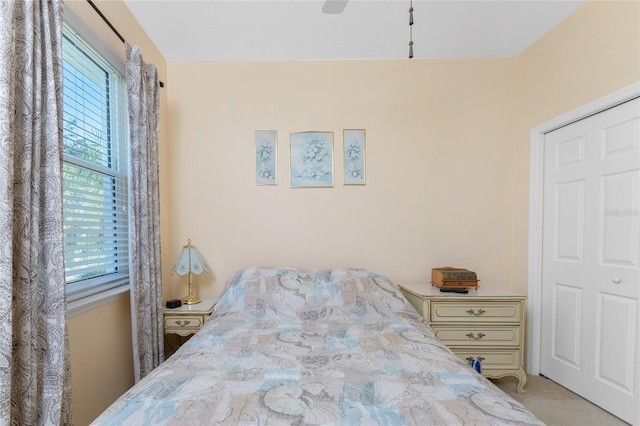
187,319
485,325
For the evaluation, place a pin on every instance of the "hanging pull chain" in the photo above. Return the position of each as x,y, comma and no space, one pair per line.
411,29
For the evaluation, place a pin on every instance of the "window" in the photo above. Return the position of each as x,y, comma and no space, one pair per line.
94,172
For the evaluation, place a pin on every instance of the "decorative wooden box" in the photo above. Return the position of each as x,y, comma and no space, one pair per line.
448,277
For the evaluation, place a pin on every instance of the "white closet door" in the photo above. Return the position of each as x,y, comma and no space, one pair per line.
591,256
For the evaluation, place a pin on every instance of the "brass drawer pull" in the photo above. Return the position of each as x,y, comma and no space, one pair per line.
478,358
480,336
473,312
181,324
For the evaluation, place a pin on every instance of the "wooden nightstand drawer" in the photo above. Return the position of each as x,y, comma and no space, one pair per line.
471,335
186,322
478,311
492,359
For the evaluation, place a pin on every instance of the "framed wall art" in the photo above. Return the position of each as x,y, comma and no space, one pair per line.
311,159
354,156
266,157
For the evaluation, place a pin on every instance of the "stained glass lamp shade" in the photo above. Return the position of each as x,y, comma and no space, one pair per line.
190,261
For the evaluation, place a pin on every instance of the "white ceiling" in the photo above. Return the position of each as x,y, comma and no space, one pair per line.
281,30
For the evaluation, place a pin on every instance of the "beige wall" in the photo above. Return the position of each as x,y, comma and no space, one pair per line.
100,340
101,358
447,154
438,154
594,52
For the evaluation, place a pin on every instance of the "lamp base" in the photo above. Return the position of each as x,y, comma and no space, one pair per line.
191,299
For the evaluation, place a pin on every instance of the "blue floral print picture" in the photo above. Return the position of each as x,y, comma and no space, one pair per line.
312,159
266,150
354,156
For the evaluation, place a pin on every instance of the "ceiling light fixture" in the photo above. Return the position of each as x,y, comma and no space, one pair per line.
411,29
334,7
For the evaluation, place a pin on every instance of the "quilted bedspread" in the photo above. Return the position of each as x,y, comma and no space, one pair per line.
314,347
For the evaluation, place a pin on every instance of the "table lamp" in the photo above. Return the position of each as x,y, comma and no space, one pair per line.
190,261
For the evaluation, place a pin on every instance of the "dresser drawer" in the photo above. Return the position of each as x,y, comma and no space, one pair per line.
478,335
492,359
478,311
187,322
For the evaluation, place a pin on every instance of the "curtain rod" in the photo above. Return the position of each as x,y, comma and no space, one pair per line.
106,21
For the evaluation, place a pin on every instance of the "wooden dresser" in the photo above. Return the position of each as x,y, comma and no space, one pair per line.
485,325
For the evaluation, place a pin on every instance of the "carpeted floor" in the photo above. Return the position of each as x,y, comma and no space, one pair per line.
555,405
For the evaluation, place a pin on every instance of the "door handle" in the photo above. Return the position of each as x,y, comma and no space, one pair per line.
616,280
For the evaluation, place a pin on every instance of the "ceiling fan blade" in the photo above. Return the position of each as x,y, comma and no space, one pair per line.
333,7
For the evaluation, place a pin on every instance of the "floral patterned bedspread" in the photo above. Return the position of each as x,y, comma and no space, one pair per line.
314,347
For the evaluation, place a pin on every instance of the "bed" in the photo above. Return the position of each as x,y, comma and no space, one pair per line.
314,347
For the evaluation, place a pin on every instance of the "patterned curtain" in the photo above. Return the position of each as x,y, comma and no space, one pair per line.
144,214
35,374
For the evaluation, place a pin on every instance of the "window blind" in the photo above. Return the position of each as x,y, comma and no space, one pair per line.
94,171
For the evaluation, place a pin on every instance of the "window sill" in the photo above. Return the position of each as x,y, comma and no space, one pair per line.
88,303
